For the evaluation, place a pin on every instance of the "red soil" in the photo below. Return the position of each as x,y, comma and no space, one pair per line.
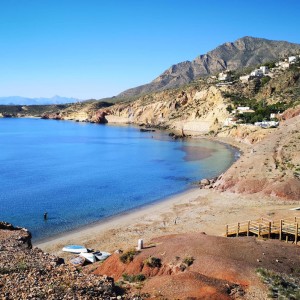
221,266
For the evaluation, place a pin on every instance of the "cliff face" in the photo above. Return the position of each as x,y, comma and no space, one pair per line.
244,52
189,110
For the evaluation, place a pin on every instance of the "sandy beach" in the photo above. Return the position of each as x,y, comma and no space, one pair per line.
196,210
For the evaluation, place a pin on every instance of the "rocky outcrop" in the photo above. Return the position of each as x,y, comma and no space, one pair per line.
244,52
55,116
27,273
100,117
192,110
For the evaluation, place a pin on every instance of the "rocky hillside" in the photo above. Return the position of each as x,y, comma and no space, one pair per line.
27,273
271,167
244,52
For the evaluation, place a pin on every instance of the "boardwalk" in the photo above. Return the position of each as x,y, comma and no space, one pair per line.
287,228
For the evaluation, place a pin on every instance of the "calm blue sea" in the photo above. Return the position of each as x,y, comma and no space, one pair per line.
81,173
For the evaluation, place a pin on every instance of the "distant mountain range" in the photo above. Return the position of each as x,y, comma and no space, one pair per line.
16,100
244,52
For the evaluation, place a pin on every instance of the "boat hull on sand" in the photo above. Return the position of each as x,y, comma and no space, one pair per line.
89,256
77,261
75,249
101,255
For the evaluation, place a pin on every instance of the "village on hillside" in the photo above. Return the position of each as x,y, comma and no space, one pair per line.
264,73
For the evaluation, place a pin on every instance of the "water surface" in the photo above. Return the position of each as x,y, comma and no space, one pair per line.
81,173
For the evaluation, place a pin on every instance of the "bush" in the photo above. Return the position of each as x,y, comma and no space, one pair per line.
134,278
265,80
281,286
153,262
188,260
229,109
128,256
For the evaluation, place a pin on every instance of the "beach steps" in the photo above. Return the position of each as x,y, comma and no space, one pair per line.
287,228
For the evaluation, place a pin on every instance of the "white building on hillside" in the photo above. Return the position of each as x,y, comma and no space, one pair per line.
257,73
244,78
267,124
264,69
292,59
224,76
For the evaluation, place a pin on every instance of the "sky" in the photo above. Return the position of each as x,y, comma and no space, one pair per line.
95,48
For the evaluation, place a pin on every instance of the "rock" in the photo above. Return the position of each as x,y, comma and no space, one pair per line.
147,130
204,181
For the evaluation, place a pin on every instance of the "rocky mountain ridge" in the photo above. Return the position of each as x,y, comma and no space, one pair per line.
244,52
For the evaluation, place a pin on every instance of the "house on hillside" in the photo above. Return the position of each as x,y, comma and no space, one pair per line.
243,109
267,124
264,69
257,73
224,76
292,59
245,78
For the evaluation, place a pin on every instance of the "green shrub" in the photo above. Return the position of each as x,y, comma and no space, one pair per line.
188,260
281,286
153,262
133,278
128,256
265,80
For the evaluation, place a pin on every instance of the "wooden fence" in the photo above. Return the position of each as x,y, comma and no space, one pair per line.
266,228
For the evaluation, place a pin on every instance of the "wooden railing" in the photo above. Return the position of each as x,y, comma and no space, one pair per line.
266,228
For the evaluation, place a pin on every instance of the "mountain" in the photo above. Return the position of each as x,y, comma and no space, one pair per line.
244,52
16,100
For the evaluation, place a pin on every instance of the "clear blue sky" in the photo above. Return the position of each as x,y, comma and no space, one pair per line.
93,48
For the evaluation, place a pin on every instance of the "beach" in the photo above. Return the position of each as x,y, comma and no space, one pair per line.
196,210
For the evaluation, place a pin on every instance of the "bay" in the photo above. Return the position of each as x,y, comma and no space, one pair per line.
80,173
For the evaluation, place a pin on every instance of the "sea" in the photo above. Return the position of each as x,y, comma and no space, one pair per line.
81,173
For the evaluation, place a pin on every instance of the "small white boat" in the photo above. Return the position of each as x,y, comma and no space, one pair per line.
89,256
101,255
77,261
74,249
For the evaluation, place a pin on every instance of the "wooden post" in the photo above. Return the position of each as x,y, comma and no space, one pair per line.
248,228
296,234
226,234
280,230
286,238
259,230
238,229
270,225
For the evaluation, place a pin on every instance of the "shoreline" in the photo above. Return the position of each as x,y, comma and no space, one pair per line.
112,218
195,210
191,193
